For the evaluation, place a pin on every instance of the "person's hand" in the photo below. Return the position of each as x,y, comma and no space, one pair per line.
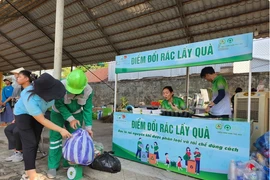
173,106
211,104
13,121
3,104
74,123
65,133
90,133
207,109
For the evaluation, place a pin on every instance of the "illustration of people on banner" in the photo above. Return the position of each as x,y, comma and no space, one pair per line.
192,160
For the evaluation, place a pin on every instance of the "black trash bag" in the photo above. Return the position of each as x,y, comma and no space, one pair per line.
106,162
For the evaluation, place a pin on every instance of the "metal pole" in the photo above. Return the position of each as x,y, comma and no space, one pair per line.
115,92
58,46
249,91
187,85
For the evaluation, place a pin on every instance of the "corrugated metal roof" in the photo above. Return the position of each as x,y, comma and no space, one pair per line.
96,31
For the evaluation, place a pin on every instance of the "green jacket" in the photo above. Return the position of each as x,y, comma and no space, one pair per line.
73,104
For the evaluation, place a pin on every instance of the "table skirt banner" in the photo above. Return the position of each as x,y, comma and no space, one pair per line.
200,148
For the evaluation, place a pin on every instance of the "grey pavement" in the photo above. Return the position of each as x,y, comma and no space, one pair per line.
102,133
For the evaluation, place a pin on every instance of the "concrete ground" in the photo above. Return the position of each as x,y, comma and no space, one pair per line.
102,133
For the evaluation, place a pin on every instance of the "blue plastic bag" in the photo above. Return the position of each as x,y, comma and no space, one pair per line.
262,144
79,149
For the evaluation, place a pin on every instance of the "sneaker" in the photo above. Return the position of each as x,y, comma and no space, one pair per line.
10,158
24,177
51,174
18,157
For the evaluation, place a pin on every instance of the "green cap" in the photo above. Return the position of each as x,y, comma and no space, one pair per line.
76,81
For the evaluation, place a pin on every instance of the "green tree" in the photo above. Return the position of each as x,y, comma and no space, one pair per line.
65,72
91,67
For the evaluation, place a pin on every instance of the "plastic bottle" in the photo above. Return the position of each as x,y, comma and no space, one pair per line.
232,171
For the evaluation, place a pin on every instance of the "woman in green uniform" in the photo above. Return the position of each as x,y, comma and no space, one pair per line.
70,111
171,102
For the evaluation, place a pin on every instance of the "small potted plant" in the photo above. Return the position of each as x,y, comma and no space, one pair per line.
124,103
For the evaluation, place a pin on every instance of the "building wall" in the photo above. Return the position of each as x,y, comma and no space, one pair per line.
148,90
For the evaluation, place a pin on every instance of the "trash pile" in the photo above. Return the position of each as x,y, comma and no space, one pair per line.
257,168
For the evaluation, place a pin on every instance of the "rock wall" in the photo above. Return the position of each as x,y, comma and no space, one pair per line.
148,90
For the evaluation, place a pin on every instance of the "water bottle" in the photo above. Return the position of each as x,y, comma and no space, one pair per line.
232,171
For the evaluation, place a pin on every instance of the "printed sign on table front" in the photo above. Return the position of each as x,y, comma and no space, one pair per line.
195,147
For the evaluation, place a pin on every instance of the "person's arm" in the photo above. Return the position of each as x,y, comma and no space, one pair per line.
87,114
221,86
221,95
34,110
61,107
182,104
48,124
8,95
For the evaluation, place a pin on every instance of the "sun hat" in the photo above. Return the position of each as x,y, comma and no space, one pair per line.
49,88
17,71
8,79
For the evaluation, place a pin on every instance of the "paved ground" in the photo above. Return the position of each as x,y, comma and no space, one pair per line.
103,134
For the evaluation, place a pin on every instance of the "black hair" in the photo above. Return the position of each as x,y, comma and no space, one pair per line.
32,77
207,70
29,74
197,148
187,148
180,158
237,90
169,88
253,90
156,143
166,154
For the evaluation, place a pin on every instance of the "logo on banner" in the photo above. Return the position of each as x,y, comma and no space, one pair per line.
227,127
230,40
219,126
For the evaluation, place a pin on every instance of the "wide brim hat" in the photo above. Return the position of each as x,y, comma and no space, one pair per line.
49,88
8,79
17,71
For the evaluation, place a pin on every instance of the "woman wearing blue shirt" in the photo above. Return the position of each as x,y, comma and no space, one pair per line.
29,115
7,115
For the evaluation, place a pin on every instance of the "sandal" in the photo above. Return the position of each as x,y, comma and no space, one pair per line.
41,177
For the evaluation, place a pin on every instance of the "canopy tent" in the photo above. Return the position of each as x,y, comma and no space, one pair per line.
97,31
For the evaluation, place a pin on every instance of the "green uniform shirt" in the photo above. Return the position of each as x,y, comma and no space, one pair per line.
178,102
139,145
147,149
224,106
155,148
67,110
